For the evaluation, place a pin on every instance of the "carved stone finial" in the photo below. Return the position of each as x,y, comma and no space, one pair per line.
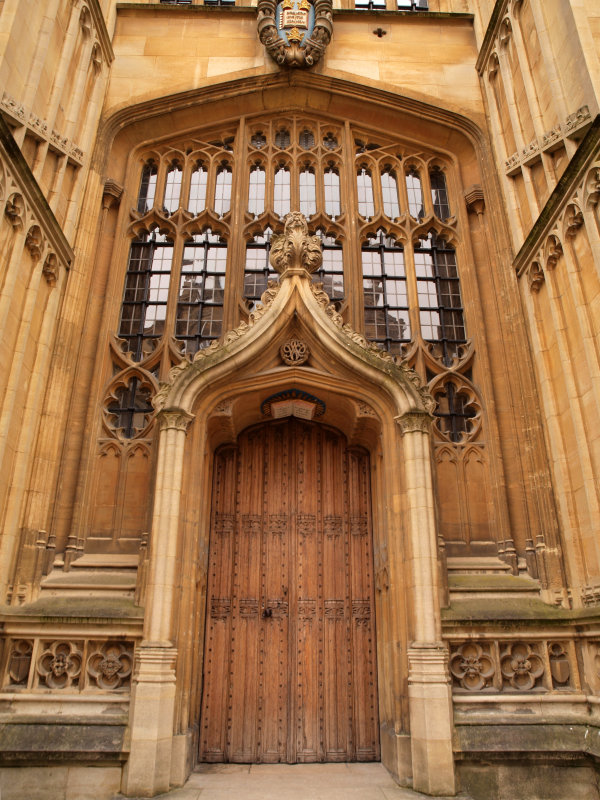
294,248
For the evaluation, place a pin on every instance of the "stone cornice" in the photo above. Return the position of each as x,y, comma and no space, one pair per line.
23,177
587,150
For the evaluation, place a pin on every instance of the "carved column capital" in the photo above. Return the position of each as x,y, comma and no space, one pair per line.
414,421
174,418
112,193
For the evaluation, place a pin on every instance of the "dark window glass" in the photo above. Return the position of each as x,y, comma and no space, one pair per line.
364,185
413,5
453,411
146,292
384,290
330,142
308,192
415,194
147,187
282,139
172,188
369,5
331,273
306,140
281,192
258,270
439,193
219,2
256,191
389,191
131,410
258,140
223,190
440,304
198,182
201,291
331,185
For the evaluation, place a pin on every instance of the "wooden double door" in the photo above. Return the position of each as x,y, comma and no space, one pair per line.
289,661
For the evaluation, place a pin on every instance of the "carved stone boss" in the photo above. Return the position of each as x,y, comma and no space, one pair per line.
295,32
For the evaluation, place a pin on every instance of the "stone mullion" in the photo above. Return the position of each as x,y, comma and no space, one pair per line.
353,270
412,287
236,245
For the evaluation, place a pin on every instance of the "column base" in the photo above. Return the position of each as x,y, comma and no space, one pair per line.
431,719
148,770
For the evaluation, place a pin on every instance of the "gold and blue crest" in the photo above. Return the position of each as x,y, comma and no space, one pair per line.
295,32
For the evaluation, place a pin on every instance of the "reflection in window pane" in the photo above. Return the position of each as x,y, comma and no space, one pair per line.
440,303
308,193
331,273
223,191
364,185
281,192
173,189
144,308
331,184
385,292
282,139
147,188
415,194
306,140
389,191
198,182
256,191
439,193
201,291
258,271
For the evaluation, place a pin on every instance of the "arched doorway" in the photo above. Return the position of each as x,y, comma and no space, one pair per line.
290,658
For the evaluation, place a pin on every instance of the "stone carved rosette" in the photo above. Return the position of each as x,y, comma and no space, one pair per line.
295,32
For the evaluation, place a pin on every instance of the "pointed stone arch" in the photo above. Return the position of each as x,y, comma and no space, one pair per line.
374,400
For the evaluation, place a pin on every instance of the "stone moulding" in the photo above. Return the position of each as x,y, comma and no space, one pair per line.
294,252
292,48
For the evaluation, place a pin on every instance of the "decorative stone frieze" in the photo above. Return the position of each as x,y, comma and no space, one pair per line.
74,665
517,666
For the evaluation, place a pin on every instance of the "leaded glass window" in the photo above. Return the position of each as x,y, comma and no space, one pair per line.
173,188
364,185
201,291
198,184
256,191
414,190
389,192
147,188
223,190
258,270
439,193
144,307
385,291
440,304
281,192
308,192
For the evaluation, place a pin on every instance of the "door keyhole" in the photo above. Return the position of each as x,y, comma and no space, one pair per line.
268,612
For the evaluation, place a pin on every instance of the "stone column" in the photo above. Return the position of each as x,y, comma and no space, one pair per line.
153,695
429,693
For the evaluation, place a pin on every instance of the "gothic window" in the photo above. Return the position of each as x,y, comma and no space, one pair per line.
308,192
370,5
439,193
173,188
331,273
256,191
440,304
223,190
131,409
385,292
364,185
144,308
258,271
147,188
199,317
454,412
331,186
389,192
413,5
281,195
414,190
198,182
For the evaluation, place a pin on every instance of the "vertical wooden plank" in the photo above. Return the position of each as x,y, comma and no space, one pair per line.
366,723
219,606
245,646
274,711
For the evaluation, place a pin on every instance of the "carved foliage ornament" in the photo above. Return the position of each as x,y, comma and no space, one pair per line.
295,32
294,248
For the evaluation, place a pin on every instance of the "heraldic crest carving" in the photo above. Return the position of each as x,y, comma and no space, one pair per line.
295,32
